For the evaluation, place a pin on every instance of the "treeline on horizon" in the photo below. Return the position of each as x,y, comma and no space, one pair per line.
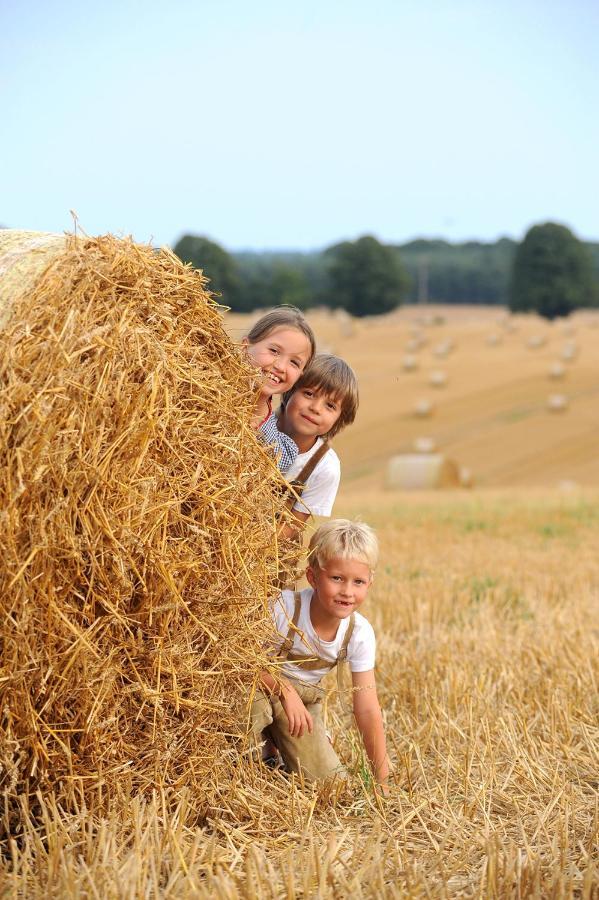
368,277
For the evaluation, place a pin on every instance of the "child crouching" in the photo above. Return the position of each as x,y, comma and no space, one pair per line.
319,627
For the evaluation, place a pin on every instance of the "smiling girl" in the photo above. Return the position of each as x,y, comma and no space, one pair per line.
281,345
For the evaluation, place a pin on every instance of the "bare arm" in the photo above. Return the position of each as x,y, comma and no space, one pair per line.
294,531
298,717
369,719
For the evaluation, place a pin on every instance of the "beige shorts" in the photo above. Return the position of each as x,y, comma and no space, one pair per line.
311,754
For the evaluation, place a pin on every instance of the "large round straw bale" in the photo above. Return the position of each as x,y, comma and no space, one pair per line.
493,340
556,371
421,471
557,403
136,548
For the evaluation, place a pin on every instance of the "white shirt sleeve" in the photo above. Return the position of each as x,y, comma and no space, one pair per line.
361,651
321,487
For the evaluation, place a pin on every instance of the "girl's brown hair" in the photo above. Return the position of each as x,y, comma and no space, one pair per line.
282,317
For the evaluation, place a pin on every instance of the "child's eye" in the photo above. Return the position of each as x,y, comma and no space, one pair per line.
332,406
296,363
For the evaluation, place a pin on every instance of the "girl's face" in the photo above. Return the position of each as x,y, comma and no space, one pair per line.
281,357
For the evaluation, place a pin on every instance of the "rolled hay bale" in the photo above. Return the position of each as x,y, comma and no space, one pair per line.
556,371
466,477
494,340
138,524
437,378
421,471
424,445
535,341
557,403
443,349
409,363
569,351
423,408
414,345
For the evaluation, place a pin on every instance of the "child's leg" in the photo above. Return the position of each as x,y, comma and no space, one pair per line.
261,714
312,754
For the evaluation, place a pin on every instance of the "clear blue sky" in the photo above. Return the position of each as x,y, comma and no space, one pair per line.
297,124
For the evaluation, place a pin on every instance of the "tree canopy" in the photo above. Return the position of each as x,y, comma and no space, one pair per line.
365,277
217,265
552,273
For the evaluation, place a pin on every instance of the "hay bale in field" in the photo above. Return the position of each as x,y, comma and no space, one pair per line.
424,445
494,340
569,351
535,341
466,477
138,526
409,363
423,408
421,471
557,403
556,371
443,349
437,378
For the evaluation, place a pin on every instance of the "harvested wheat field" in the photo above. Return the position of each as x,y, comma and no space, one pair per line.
492,414
486,608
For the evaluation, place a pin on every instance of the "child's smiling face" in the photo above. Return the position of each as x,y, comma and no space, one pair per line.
340,587
281,357
310,413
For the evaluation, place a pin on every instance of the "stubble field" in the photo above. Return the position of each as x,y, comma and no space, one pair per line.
486,610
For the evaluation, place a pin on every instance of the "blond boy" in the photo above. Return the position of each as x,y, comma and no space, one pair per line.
317,628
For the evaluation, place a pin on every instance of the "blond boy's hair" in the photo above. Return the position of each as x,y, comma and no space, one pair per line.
343,539
282,317
332,376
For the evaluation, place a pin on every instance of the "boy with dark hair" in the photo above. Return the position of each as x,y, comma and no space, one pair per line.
323,400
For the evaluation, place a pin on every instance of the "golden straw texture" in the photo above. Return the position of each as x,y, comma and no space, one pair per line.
138,538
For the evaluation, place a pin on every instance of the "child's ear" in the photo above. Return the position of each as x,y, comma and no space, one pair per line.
245,342
310,577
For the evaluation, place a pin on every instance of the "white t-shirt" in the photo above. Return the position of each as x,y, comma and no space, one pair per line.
321,487
361,649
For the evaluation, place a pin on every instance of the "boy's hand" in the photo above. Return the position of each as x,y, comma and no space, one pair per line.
298,717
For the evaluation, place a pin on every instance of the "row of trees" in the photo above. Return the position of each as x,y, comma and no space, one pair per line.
551,271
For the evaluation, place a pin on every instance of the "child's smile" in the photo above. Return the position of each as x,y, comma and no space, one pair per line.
339,589
281,357
308,414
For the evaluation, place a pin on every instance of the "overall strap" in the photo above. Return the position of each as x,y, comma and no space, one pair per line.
312,463
293,627
298,484
347,638
305,661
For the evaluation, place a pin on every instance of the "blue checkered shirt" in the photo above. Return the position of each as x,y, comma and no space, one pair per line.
285,449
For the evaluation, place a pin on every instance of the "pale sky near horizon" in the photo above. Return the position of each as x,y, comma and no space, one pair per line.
295,125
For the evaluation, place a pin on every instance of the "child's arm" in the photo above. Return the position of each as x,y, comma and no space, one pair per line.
298,717
292,531
369,719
